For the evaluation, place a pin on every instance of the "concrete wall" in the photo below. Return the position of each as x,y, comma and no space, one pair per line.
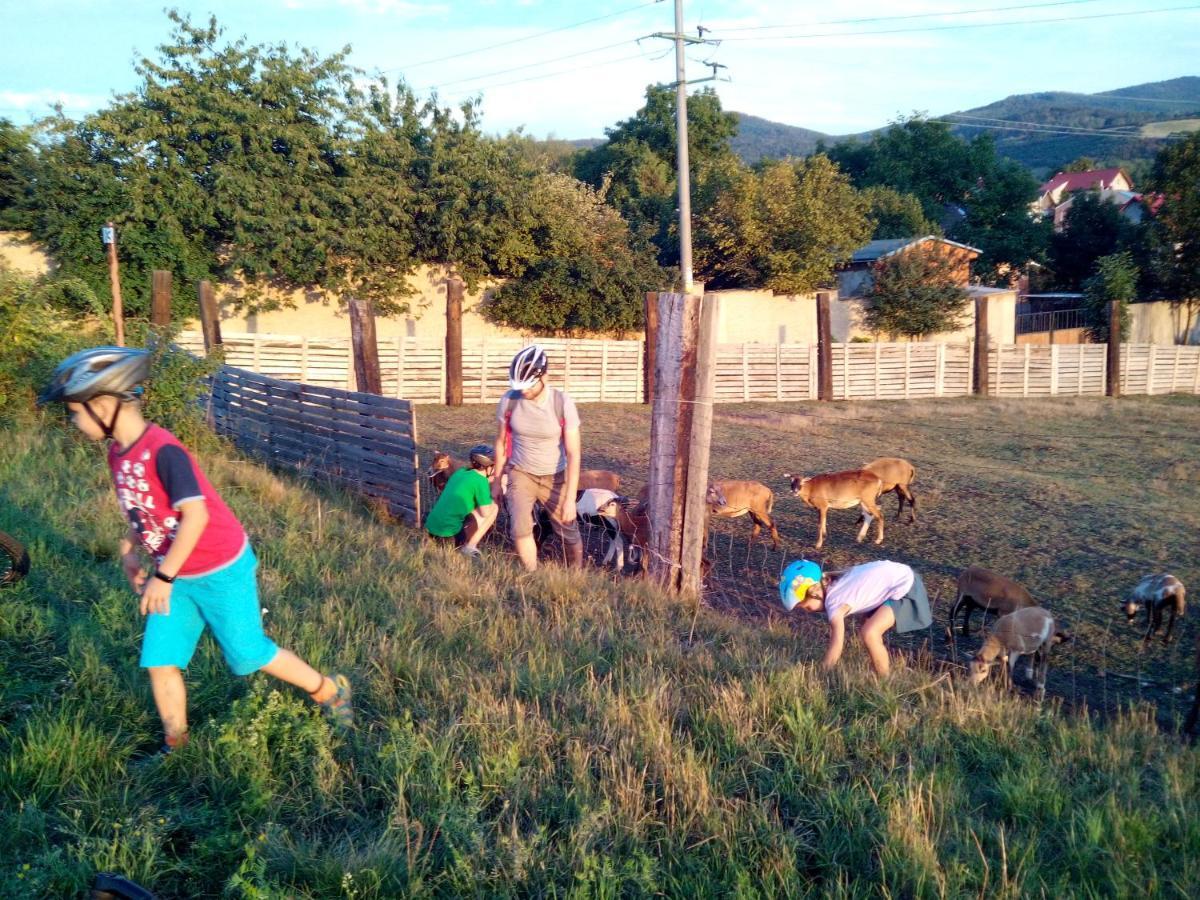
766,317
847,320
1161,322
21,254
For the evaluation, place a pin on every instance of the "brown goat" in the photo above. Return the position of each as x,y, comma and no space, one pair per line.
1026,632
747,498
841,490
1157,593
897,476
994,594
440,469
601,479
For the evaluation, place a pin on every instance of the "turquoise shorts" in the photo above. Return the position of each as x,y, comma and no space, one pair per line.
227,601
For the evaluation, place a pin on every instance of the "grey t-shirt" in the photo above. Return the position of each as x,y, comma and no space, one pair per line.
537,443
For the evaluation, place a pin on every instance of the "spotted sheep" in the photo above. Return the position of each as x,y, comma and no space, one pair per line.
1029,632
1158,593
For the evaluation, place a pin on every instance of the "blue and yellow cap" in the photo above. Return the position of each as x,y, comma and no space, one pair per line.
795,581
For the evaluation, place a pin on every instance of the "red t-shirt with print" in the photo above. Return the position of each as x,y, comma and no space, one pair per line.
153,476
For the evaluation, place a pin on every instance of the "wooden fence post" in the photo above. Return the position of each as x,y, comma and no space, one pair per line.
695,510
109,236
365,347
651,310
670,430
981,346
210,316
1113,384
454,367
824,347
160,292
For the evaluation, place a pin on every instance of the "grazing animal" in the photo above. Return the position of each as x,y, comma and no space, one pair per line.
1029,632
841,490
746,498
994,594
897,476
633,519
601,479
440,470
598,507
1157,593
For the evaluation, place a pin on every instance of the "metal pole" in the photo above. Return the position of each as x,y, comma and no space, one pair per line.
685,187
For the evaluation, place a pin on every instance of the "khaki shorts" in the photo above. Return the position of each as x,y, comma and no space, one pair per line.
523,490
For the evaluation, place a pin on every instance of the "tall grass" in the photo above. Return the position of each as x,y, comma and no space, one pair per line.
548,734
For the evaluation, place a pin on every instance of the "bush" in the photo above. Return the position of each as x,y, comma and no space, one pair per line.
916,292
1115,278
35,333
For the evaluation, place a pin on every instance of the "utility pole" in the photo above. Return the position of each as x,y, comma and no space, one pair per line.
683,176
685,179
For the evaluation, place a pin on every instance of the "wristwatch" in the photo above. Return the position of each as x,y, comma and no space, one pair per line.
169,579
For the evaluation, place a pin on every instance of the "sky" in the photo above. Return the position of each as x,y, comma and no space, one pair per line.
802,62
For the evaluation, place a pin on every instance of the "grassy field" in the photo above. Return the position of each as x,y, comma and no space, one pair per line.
564,735
1173,126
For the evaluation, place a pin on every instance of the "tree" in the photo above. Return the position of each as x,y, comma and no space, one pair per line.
1176,229
897,215
1082,164
1093,228
638,162
785,227
587,275
982,199
916,292
17,165
1115,278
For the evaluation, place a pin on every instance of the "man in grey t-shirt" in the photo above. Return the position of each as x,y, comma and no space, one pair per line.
538,446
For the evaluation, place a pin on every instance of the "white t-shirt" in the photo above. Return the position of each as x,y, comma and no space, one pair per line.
868,586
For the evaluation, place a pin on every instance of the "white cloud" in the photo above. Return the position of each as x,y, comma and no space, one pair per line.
41,100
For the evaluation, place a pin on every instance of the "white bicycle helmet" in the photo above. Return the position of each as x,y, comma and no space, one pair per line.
527,367
115,371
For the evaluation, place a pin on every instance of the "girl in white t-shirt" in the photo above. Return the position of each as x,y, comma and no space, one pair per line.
886,592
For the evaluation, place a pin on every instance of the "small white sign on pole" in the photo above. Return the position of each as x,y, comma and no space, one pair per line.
107,235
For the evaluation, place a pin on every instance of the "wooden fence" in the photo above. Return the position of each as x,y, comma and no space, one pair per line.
363,442
611,371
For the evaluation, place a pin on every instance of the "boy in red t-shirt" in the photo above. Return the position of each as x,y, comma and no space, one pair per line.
204,570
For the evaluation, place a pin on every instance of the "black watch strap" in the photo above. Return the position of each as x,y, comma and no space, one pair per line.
169,579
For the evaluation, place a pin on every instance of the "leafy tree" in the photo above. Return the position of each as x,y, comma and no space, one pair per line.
1176,229
916,292
984,200
17,165
638,162
586,275
1082,164
998,221
1115,278
1093,228
785,226
897,215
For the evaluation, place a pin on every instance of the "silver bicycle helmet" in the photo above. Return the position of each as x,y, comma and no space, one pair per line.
481,456
527,367
115,371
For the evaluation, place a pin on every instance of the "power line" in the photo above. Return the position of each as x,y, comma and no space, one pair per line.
1127,135
528,37
534,65
931,28
930,15
1115,96
610,62
1083,128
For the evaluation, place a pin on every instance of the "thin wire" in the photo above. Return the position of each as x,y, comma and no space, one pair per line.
527,37
1082,128
533,65
1126,135
930,15
1021,22
611,62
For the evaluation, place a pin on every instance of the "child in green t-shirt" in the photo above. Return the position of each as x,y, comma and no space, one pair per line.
465,511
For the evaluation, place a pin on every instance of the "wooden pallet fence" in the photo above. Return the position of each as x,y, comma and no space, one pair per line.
363,442
608,371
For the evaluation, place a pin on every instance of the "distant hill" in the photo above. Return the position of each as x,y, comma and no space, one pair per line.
1140,110
759,137
1143,111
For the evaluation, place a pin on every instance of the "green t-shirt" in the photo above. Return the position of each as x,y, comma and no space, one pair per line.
466,490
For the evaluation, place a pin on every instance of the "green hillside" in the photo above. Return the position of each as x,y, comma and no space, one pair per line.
1145,111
